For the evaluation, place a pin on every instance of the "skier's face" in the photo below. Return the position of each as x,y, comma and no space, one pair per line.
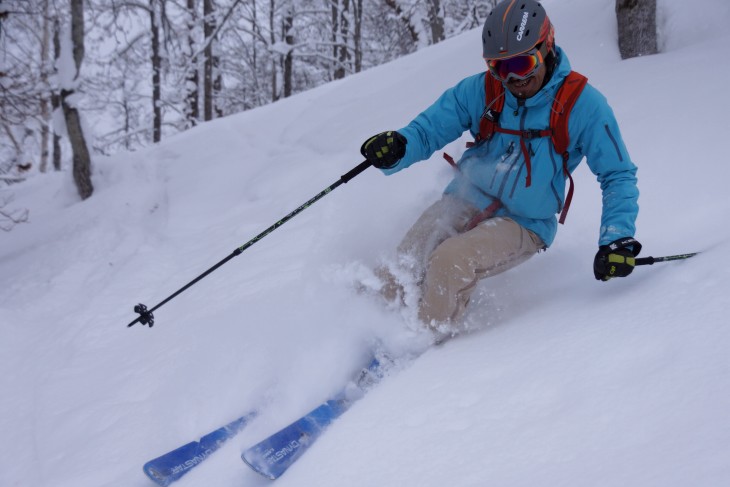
526,88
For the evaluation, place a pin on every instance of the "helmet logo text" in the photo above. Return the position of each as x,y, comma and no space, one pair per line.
523,24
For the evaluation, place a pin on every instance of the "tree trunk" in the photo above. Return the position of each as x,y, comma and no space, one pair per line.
340,36
404,18
192,85
272,39
217,86
156,69
81,156
357,34
56,96
436,21
45,101
288,23
208,30
636,27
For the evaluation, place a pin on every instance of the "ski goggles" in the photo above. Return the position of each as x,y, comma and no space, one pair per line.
516,67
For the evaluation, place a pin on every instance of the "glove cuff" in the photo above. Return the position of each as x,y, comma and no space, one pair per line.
629,243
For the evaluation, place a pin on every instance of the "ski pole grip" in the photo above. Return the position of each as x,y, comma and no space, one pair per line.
645,261
355,171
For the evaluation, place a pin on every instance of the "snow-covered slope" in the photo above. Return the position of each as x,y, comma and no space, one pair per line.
563,381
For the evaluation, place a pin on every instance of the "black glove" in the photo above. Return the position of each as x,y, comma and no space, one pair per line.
385,149
616,259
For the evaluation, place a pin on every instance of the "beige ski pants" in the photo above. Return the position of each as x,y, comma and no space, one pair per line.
448,261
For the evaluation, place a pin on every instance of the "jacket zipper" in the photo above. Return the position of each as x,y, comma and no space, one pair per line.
523,117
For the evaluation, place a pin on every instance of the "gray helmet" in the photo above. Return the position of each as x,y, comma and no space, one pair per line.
514,27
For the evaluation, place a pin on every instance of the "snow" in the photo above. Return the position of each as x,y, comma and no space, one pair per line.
281,48
67,72
562,380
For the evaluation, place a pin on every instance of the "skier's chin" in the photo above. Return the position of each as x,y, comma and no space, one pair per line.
524,88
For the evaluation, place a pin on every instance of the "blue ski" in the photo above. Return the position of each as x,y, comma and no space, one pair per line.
172,465
275,454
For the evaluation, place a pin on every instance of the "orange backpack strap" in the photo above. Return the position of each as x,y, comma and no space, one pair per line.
489,122
565,99
559,116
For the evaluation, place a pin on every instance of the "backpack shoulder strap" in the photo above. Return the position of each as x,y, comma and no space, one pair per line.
565,99
494,104
564,102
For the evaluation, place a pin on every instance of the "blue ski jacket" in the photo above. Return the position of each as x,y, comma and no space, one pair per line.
496,168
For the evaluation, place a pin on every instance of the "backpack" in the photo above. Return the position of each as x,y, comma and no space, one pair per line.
564,101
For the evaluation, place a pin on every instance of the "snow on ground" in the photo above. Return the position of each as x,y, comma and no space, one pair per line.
563,380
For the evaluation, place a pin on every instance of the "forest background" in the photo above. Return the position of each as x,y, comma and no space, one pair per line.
87,78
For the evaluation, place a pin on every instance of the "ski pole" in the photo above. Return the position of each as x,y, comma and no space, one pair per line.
652,260
145,316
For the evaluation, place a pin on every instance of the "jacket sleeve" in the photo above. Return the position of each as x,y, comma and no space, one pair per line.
600,141
458,109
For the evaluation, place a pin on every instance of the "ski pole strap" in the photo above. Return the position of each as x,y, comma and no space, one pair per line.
668,258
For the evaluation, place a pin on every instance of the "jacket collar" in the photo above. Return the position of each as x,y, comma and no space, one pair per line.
547,93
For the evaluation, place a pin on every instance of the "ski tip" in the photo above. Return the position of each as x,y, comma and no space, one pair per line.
258,463
156,475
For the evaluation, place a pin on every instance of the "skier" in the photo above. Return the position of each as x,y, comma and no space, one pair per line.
499,210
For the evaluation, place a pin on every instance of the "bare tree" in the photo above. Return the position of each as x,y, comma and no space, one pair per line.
403,17
357,34
45,100
636,27
55,95
20,85
156,59
272,41
287,25
340,36
209,24
9,217
153,67
436,21
81,156
192,83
